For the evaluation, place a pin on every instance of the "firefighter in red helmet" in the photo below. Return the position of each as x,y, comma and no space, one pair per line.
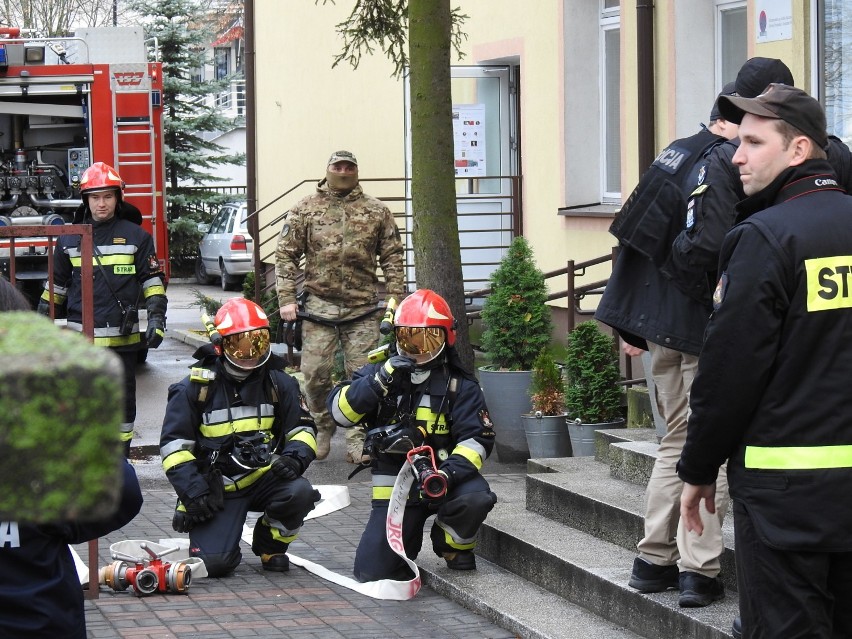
127,274
237,436
422,395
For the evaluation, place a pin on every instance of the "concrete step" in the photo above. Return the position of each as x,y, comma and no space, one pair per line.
591,572
581,493
521,607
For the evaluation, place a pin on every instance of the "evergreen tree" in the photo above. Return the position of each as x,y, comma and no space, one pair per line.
183,28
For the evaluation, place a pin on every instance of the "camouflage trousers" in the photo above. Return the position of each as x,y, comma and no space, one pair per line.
319,344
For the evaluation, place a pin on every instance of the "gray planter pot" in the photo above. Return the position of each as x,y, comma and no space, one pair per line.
547,435
583,435
506,393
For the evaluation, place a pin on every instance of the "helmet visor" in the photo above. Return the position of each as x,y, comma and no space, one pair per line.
247,350
420,343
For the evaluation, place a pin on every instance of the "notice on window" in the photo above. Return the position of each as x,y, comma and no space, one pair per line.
469,140
774,20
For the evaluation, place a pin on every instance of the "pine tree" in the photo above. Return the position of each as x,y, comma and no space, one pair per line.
183,28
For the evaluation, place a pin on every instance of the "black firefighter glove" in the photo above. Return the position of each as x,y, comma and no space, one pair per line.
197,511
43,308
156,331
389,378
287,468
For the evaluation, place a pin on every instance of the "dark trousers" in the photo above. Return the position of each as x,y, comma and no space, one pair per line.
284,504
128,364
463,512
790,594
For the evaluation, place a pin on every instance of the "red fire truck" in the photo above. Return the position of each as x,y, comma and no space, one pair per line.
64,104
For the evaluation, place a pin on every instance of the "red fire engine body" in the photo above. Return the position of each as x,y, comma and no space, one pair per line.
64,104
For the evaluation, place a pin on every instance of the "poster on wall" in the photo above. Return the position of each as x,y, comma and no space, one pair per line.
774,20
469,140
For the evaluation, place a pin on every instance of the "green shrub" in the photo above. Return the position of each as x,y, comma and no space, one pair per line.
515,315
592,392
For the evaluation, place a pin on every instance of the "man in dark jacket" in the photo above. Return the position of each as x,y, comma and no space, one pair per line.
127,274
771,391
40,593
420,396
237,436
650,313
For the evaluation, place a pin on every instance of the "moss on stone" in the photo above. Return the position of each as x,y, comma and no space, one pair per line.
61,402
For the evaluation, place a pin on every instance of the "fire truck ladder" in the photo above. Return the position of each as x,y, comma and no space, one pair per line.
134,142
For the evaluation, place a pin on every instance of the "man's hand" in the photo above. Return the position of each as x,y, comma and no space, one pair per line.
690,502
390,376
156,331
630,350
197,512
287,468
288,311
43,308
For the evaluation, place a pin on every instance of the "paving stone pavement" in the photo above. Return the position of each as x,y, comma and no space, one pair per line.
294,605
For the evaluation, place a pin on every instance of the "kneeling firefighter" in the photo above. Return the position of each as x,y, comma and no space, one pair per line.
421,395
237,436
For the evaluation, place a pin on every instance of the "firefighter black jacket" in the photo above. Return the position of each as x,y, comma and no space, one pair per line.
771,393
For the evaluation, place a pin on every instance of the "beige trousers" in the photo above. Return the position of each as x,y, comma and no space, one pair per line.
666,541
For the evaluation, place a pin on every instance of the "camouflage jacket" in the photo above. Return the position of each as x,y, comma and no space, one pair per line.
339,238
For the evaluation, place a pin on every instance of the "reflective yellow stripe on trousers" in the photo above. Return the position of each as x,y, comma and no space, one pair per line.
798,457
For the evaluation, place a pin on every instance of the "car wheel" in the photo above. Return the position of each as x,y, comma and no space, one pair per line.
201,275
228,281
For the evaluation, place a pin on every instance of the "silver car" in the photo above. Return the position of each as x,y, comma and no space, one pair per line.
225,250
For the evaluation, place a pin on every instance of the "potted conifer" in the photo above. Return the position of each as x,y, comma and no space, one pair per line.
517,326
547,435
592,395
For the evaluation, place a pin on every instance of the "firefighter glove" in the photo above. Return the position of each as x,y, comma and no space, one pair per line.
43,308
389,378
287,468
156,331
198,510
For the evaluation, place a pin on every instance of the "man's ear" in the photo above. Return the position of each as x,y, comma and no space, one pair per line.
802,146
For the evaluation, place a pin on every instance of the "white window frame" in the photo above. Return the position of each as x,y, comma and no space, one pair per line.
723,6
610,21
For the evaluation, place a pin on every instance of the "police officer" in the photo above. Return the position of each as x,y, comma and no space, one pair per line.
652,314
237,436
771,392
710,211
127,274
421,395
339,231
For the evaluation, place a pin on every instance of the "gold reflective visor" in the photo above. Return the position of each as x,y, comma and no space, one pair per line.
419,340
247,350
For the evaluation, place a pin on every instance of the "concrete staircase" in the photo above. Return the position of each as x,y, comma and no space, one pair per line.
555,554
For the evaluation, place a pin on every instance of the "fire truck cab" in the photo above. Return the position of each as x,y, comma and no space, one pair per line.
64,104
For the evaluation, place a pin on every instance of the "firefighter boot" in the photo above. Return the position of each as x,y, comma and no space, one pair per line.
460,560
278,562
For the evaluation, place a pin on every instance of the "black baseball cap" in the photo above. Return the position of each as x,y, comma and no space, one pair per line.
758,73
780,102
728,89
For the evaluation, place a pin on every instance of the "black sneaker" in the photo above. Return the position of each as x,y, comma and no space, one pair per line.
648,577
461,560
737,628
276,563
697,591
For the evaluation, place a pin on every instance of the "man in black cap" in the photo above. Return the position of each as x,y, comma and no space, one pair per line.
771,393
651,314
710,210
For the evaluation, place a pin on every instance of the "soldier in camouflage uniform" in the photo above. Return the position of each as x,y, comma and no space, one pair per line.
338,231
